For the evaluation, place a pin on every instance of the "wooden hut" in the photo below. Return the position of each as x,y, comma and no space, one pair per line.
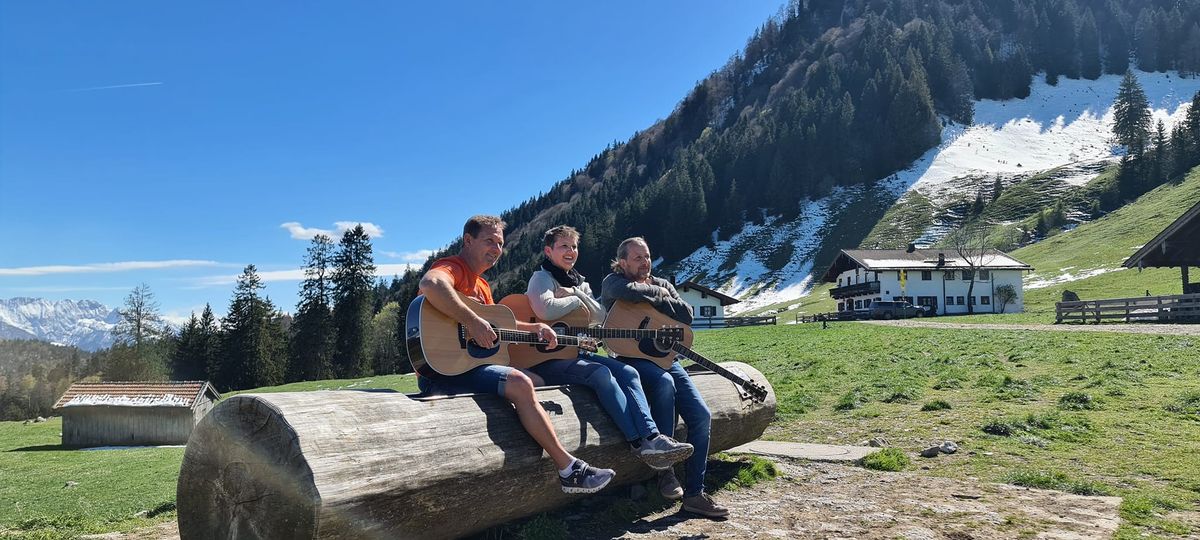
133,413
1177,246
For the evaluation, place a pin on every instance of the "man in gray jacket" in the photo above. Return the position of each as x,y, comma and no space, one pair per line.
667,390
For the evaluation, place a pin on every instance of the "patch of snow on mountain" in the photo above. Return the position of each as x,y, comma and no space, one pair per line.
1035,282
1056,126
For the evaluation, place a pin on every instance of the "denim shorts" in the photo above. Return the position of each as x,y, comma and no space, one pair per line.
487,379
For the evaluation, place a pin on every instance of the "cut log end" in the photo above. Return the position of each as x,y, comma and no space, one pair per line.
245,476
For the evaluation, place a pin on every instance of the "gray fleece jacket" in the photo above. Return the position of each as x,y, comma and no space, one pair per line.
658,293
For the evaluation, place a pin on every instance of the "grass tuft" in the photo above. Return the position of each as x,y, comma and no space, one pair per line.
936,405
1056,480
544,527
851,400
1078,401
888,459
1188,403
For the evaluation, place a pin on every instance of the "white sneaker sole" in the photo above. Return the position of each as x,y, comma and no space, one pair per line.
567,489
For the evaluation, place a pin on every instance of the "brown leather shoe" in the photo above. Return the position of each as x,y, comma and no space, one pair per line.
668,486
704,505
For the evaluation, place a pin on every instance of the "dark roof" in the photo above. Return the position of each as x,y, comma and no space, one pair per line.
1176,245
725,299
136,394
918,259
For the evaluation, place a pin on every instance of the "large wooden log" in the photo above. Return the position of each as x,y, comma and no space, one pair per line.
345,464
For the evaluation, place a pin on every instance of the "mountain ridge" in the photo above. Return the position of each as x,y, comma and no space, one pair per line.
85,324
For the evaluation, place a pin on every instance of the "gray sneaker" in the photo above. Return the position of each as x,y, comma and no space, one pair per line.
668,486
662,451
586,479
704,505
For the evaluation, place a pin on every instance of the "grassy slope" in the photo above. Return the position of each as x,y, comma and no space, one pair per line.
1104,243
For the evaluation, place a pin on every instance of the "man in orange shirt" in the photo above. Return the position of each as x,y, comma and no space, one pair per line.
482,245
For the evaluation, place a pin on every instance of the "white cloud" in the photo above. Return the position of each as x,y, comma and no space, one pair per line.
297,274
92,268
115,86
418,256
300,232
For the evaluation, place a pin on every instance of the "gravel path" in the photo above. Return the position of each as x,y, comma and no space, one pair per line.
1163,329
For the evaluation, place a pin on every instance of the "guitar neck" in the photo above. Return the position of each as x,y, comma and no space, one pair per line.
708,364
612,333
521,336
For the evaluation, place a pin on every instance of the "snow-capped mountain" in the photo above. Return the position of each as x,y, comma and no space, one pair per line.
1062,130
86,324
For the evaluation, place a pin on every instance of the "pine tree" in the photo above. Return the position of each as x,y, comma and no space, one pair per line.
354,272
997,188
1131,112
313,331
1089,48
253,347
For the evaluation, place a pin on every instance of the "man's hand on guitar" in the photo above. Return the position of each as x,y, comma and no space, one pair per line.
545,333
481,332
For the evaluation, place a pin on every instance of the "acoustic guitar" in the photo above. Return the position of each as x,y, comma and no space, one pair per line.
576,323
437,343
641,315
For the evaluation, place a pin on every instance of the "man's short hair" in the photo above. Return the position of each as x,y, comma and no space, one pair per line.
623,251
477,223
561,231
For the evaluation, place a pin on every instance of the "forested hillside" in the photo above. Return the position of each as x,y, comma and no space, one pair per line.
831,94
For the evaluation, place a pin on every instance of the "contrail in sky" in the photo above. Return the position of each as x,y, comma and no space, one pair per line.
134,85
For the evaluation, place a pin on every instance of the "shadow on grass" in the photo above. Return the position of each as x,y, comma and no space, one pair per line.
41,448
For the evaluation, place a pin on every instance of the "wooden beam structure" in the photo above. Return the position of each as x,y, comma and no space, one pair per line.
347,464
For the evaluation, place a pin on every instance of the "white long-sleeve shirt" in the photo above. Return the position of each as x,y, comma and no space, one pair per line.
551,301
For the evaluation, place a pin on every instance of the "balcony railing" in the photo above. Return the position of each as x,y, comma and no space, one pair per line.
858,289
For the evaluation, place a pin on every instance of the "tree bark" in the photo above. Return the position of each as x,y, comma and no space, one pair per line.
345,464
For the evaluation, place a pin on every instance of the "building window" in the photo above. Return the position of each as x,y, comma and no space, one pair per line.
858,304
985,275
961,301
985,300
971,300
968,275
950,275
949,300
708,311
926,275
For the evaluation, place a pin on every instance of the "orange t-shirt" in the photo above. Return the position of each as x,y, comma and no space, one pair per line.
465,281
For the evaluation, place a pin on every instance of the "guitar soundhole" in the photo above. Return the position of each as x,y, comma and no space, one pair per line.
651,346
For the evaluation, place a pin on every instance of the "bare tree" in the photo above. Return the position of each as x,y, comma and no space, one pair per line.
971,244
140,321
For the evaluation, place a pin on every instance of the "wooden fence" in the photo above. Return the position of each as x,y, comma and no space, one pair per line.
816,317
1177,308
731,322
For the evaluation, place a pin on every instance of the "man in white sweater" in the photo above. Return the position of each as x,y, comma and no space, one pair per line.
557,289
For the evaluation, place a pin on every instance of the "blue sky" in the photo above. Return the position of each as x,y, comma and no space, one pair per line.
174,143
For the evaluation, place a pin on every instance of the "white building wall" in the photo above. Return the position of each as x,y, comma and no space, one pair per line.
697,299
938,287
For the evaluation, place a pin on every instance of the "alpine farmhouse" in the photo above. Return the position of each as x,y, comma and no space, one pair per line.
947,282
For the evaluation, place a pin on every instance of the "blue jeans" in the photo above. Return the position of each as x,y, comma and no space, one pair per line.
670,390
616,385
487,379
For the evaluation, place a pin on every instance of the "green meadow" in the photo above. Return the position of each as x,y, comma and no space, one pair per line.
1113,414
